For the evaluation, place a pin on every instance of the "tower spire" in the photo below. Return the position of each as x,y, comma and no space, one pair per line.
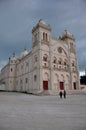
14,54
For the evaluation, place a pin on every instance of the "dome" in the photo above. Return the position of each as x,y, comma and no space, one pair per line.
24,53
13,58
42,22
66,33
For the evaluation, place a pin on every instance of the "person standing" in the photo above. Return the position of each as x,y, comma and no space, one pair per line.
60,94
64,93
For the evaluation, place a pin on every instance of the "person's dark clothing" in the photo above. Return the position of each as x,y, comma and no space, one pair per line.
64,94
60,93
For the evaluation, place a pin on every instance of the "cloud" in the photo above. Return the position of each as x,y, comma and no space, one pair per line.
17,18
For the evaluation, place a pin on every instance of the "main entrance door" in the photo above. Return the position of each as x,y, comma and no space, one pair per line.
61,85
74,85
45,85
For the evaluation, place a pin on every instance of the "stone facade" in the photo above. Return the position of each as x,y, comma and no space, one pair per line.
51,65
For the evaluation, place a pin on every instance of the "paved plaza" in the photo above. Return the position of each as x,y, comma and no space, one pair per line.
20,111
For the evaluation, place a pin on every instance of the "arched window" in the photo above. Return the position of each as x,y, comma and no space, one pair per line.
45,38
45,57
11,69
35,77
65,62
73,63
60,61
26,80
54,60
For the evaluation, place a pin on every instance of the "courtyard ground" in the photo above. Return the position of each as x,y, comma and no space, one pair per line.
20,111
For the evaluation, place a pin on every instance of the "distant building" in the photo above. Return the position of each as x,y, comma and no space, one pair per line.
51,64
83,80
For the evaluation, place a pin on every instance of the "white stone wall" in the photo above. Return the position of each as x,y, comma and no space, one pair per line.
28,71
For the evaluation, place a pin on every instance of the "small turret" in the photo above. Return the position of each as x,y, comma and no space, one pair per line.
67,35
13,58
23,54
41,24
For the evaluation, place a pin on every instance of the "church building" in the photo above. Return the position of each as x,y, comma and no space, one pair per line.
50,66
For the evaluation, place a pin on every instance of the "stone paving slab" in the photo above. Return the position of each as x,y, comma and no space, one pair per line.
28,112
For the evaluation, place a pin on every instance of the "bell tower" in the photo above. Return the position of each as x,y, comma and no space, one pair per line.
73,62
41,33
40,46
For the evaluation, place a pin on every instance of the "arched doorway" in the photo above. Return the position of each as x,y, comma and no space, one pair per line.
45,81
62,82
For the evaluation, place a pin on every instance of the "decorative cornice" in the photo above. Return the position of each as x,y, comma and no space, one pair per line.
47,27
68,37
